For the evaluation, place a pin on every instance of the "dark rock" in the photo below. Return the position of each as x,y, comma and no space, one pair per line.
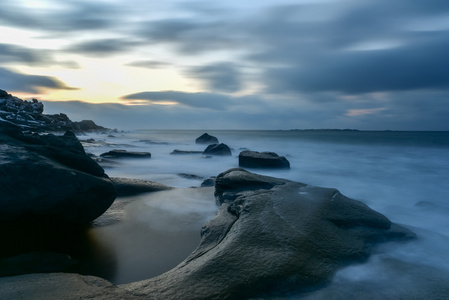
125,154
60,286
129,186
190,176
253,159
217,149
50,178
206,139
87,125
36,262
291,236
275,236
208,182
176,151
28,115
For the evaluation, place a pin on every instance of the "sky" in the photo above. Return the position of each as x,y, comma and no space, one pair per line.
266,64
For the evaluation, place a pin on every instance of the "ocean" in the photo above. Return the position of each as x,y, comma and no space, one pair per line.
403,175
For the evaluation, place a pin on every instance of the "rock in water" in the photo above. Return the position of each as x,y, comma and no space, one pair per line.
253,159
48,177
272,235
206,139
125,154
218,149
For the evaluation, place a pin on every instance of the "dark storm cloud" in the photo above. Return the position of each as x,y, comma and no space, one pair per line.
316,55
422,65
220,77
197,100
17,82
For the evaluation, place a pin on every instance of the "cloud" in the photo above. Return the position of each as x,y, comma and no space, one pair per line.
18,82
197,100
101,47
10,53
149,64
219,77
66,17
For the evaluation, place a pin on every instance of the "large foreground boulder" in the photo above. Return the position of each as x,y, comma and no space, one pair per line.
254,159
50,177
272,235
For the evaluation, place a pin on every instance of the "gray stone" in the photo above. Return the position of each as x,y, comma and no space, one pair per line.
289,236
177,152
218,149
130,186
253,159
270,236
50,177
125,154
206,139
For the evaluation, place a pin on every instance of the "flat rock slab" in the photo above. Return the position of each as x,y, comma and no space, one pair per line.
181,152
125,154
130,186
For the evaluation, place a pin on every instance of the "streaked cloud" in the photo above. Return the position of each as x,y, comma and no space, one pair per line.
12,81
286,64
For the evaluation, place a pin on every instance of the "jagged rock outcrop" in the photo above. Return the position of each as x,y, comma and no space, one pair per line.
254,159
206,139
50,177
29,116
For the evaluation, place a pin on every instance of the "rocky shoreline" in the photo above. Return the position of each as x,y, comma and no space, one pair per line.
271,237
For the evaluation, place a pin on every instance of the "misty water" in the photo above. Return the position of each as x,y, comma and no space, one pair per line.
403,175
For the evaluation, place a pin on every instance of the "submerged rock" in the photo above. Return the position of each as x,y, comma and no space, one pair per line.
206,139
253,159
177,152
125,154
50,177
218,149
